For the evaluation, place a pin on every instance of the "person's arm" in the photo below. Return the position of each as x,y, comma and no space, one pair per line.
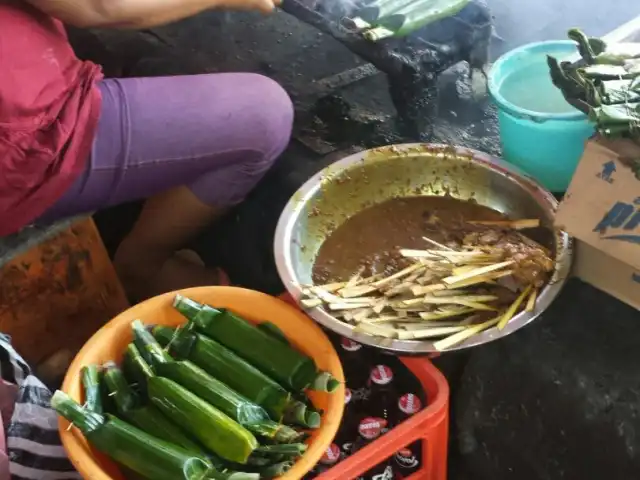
136,13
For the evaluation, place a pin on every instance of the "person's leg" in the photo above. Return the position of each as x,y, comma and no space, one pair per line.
195,145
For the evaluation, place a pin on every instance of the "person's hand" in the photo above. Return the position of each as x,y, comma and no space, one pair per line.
138,14
264,6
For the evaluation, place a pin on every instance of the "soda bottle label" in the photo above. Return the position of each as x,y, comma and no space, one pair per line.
331,455
405,459
381,375
371,427
349,345
409,404
387,474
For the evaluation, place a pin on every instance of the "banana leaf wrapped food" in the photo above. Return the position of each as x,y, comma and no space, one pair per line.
213,428
185,407
605,84
91,377
227,367
138,450
270,355
372,12
597,51
146,417
244,378
612,92
253,417
397,18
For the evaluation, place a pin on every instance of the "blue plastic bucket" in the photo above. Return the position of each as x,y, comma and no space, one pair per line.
540,132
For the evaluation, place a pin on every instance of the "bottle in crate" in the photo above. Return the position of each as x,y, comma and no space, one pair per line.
354,363
407,460
369,430
382,398
349,426
330,457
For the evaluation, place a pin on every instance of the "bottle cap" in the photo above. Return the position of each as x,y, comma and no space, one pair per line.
405,452
371,427
406,459
409,404
381,375
331,455
347,396
349,345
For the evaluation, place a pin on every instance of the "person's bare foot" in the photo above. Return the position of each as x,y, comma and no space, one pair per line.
186,269
183,270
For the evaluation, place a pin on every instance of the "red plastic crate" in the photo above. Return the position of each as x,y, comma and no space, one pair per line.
431,426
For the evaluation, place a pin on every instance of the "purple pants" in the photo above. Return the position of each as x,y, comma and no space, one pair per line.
217,134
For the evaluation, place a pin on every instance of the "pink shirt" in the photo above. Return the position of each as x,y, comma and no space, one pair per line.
49,109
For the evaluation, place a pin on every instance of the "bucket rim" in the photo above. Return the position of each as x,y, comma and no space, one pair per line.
503,103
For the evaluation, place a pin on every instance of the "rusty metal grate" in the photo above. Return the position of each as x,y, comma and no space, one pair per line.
412,63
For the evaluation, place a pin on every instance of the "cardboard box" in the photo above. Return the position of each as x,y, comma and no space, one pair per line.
607,274
602,210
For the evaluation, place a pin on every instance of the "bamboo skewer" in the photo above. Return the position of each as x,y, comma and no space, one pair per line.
477,272
448,293
388,318
464,335
378,307
511,224
481,279
363,314
425,289
429,332
445,294
353,281
531,302
439,245
418,325
347,306
506,316
356,291
331,287
311,302
400,274
441,315
358,314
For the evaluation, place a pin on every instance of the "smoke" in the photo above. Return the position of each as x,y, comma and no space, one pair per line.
334,9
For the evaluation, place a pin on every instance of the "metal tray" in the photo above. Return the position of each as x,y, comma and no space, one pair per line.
349,185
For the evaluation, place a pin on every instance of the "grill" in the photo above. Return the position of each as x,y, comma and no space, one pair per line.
412,63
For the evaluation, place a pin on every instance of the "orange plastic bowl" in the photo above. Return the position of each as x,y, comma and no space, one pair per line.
109,343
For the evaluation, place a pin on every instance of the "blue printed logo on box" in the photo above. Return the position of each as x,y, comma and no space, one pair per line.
624,216
608,169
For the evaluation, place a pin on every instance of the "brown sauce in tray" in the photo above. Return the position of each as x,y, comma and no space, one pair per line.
372,237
